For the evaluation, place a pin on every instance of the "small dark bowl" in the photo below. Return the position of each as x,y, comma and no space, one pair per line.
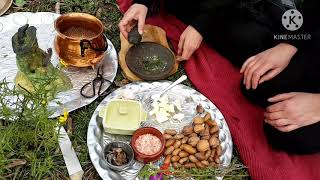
127,149
142,53
142,157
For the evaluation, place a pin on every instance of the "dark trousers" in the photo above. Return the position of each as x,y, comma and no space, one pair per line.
240,37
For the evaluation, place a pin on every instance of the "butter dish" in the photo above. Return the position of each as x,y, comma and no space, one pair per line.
122,116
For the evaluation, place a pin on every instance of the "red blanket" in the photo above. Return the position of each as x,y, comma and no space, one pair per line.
218,80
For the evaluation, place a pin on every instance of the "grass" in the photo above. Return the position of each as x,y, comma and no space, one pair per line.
108,12
28,139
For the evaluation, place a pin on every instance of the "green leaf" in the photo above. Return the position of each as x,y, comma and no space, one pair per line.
20,3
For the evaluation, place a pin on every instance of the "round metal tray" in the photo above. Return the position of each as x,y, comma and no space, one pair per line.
190,98
44,22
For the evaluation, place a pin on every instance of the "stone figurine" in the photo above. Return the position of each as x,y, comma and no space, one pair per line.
35,68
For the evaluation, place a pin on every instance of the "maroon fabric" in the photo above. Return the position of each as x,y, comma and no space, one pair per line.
218,80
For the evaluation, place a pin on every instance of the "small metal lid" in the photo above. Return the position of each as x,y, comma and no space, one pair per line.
4,6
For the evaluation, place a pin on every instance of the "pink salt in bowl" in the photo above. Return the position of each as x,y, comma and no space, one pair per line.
148,144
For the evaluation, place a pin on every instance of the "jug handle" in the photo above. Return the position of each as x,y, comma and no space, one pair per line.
83,47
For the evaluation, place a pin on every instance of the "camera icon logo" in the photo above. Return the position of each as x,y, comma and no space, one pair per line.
292,20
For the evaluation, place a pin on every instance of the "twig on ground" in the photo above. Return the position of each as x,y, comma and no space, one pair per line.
69,126
16,162
57,7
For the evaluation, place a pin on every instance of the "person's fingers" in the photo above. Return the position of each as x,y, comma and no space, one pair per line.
186,52
125,23
260,71
246,63
282,97
188,49
250,64
181,44
271,74
127,12
278,122
141,22
178,58
131,25
276,107
287,128
250,71
123,28
275,115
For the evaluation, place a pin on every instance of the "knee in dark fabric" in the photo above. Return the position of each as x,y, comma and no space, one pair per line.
315,38
246,39
300,141
261,95
250,36
296,77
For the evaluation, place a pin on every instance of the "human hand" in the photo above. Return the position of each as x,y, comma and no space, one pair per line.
190,41
137,12
266,65
293,110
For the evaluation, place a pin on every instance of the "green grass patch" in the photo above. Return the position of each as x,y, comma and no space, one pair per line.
28,139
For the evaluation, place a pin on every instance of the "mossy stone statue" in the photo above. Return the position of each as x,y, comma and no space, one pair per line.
34,67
